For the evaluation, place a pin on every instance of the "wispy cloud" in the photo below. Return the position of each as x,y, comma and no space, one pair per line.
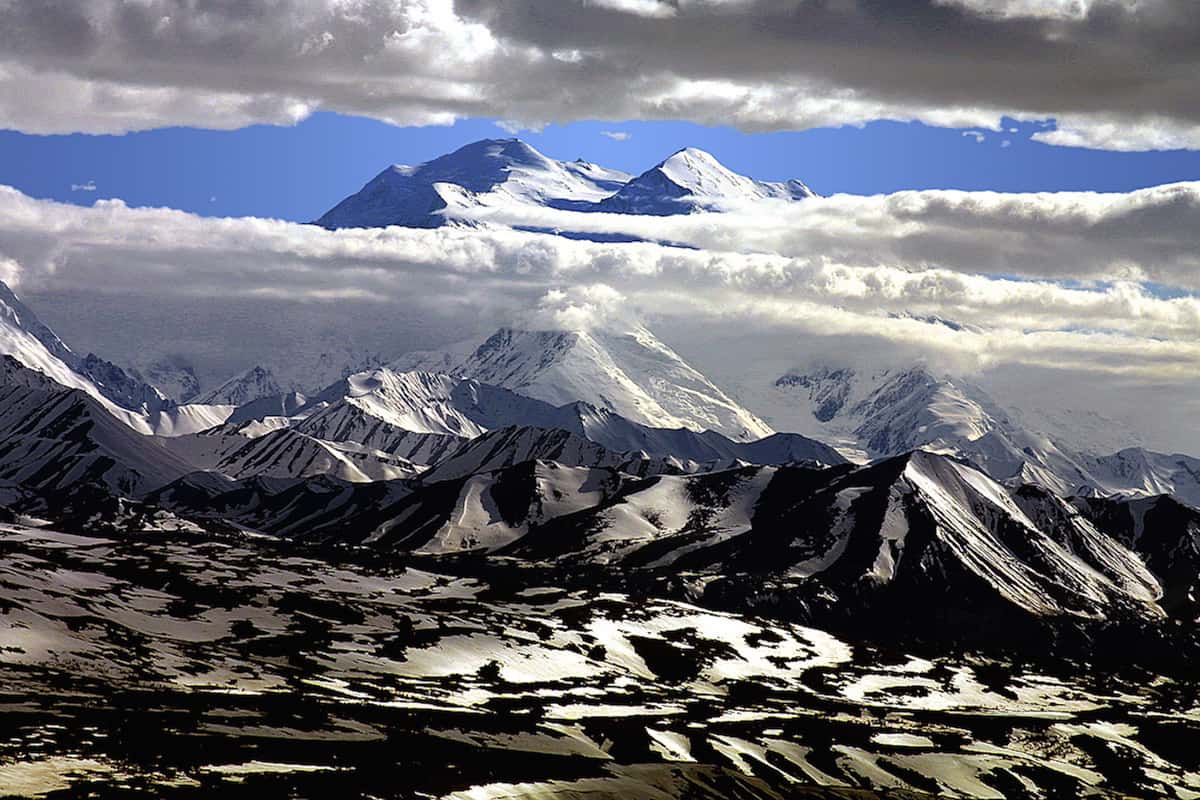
510,126
89,186
617,136
978,136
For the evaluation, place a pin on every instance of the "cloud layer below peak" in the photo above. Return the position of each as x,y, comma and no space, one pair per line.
944,278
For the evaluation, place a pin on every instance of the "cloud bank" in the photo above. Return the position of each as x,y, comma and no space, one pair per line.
1149,235
1114,73
913,276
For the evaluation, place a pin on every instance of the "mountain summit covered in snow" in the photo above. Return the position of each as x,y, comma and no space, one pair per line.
881,413
629,372
500,173
693,180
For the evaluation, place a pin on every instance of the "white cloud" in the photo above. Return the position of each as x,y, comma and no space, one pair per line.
640,8
117,65
1046,9
979,136
617,136
1145,235
861,276
89,186
584,307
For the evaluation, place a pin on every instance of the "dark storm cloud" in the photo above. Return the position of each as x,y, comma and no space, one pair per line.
1115,74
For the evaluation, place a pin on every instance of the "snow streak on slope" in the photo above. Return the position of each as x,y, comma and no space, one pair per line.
921,534
492,511
983,530
505,447
1165,534
629,372
245,451
342,423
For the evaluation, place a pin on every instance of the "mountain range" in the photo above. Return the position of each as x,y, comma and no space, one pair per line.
501,172
603,449
479,457
568,563
620,387
888,412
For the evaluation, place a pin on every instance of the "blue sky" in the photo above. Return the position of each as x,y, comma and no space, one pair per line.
297,172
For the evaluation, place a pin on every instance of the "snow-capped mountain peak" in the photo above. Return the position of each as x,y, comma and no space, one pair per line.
887,412
891,411
694,180
487,172
509,173
421,402
699,172
627,370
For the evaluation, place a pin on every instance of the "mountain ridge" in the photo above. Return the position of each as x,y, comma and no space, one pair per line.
892,411
692,180
628,371
507,172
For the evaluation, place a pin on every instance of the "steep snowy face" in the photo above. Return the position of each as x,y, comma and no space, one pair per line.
890,412
421,402
488,172
1166,536
693,180
27,339
629,372
980,528
913,409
